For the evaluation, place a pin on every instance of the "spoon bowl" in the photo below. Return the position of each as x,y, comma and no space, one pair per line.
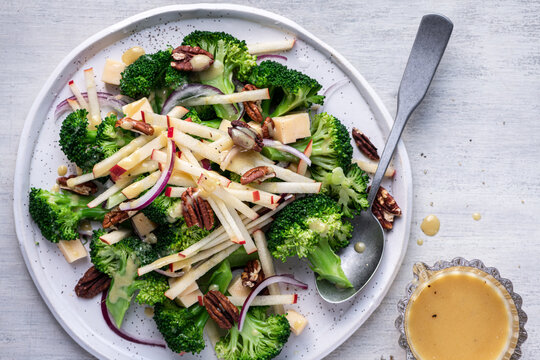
428,48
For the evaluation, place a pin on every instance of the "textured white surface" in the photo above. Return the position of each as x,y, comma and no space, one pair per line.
472,143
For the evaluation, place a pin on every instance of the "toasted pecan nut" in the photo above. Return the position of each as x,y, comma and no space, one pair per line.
92,283
135,125
196,210
188,58
245,136
253,108
385,208
253,274
85,189
220,309
259,174
364,144
268,128
114,217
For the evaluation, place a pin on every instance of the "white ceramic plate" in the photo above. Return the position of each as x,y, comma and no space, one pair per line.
356,104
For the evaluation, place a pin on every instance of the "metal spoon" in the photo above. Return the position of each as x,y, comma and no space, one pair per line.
427,51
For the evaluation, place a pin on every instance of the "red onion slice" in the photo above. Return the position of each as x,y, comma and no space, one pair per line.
205,163
285,278
279,146
334,87
273,57
158,187
117,331
170,274
105,100
241,111
189,91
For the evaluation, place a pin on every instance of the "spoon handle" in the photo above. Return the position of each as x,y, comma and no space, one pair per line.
428,48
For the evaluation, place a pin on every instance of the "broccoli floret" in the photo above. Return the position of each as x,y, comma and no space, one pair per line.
78,142
164,210
151,287
120,261
289,89
349,190
152,76
176,237
230,54
111,138
182,328
312,227
205,112
262,337
58,215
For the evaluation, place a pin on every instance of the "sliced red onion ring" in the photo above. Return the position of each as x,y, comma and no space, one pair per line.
277,145
241,111
105,100
170,274
119,332
273,57
158,187
334,87
189,91
206,164
285,278
283,164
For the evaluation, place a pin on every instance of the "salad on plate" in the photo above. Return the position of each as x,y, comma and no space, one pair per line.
205,164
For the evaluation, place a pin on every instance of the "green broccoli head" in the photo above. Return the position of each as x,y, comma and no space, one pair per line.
312,227
177,237
230,54
151,289
152,76
349,190
58,215
111,138
262,337
164,210
289,88
78,142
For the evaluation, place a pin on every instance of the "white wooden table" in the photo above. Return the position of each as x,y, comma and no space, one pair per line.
473,143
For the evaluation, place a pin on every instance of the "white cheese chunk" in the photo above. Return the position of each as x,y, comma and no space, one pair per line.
112,72
289,128
133,110
143,225
189,299
72,250
297,321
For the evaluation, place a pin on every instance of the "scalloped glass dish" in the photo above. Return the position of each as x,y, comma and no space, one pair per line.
495,302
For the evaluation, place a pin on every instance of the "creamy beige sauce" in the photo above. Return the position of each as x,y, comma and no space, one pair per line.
55,188
458,316
85,225
132,54
212,72
122,281
476,216
200,62
430,225
359,247
420,242
62,170
149,312
318,226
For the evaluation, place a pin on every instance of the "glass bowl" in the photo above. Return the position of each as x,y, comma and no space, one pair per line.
423,272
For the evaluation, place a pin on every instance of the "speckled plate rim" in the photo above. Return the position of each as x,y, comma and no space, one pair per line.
25,152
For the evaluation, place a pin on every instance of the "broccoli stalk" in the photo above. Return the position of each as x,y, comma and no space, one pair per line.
58,215
182,328
312,227
152,76
261,337
230,54
120,261
289,89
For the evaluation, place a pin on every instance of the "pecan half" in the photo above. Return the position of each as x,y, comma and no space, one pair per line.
135,125
114,217
85,189
196,210
259,174
92,283
187,58
220,309
385,208
253,274
245,136
364,144
253,108
268,128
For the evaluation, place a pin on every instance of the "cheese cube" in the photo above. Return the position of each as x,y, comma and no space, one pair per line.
143,225
133,110
72,250
237,289
297,321
256,126
189,299
289,128
191,288
112,72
